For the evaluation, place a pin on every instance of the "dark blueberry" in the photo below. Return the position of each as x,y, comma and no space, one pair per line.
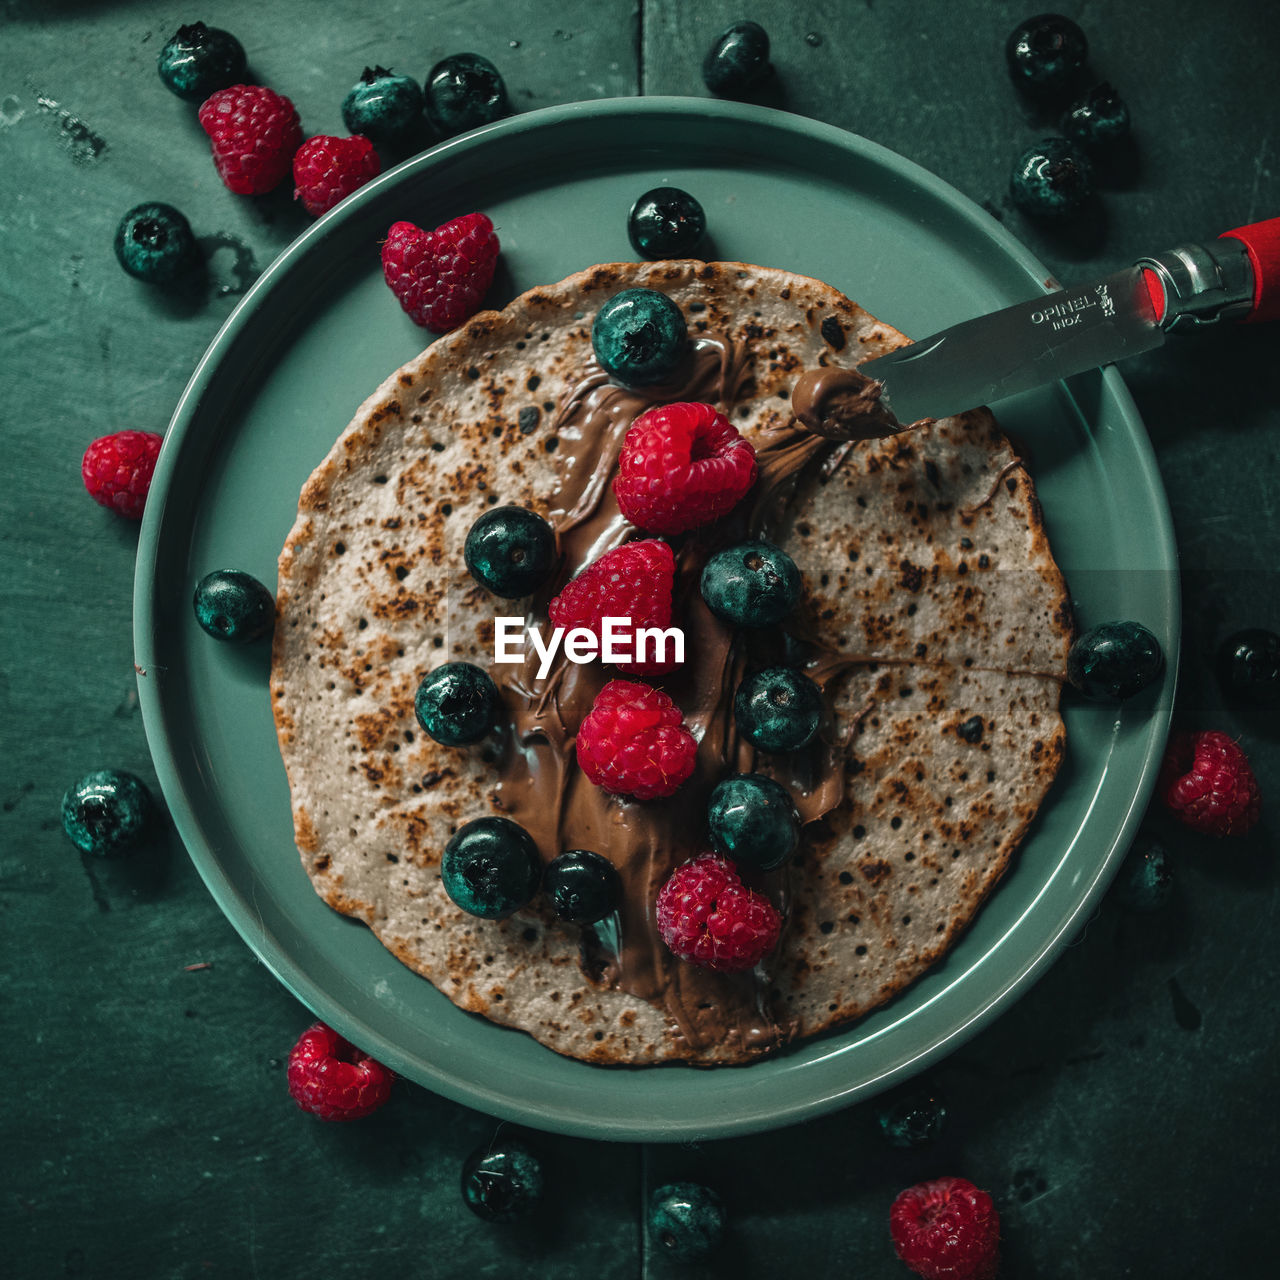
200,60
911,1117
464,91
583,886
665,223
456,704
154,243
686,1220
232,605
385,108
502,1181
778,709
510,550
1249,665
738,60
1051,179
1045,55
491,868
754,584
1114,660
1098,120
1146,879
753,820
639,337
106,811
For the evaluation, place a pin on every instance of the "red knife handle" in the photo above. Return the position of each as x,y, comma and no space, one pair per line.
1262,243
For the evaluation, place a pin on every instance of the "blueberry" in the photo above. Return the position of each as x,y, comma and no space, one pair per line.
385,108
1249,665
753,820
464,91
912,1117
738,60
686,1220
639,337
1052,178
502,1181
457,703
491,868
754,584
1045,55
1098,120
510,551
1146,879
778,709
154,243
198,61
233,605
1114,660
665,223
106,811
583,886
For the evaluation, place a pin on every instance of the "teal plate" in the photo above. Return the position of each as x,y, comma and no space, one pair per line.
319,331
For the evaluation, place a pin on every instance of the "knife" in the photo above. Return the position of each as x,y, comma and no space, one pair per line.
980,361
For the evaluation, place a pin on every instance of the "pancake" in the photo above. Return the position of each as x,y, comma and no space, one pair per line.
934,618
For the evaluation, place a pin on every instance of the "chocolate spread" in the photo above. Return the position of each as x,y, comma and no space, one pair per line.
842,404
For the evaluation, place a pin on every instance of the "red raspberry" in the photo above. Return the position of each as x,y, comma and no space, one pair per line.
633,742
332,1079
708,916
1207,783
946,1229
441,276
633,581
254,132
328,169
117,470
682,465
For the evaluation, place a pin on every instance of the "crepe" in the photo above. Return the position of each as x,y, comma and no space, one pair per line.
933,617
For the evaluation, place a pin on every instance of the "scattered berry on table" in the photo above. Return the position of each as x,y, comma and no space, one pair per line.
233,605
737,61
332,1079
1249,665
911,1117
1146,879
632,581
1045,55
633,742
686,1220
1098,120
1206,782
502,1181
441,276
117,470
106,811
383,107
706,915
583,886
665,222
154,243
682,465
491,868
198,60
254,132
1114,660
778,709
946,1229
753,584
457,703
639,337
753,820
1052,178
328,169
464,91
510,551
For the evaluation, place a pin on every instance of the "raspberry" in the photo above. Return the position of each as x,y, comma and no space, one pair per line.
441,276
254,132
633,581
946,1229
117,470
332,1079
328,169
708,916
633,742
1207,783
682,465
